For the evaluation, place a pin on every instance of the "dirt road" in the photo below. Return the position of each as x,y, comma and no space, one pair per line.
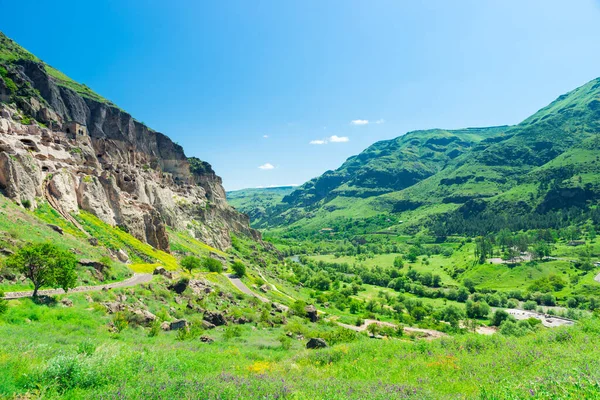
136,279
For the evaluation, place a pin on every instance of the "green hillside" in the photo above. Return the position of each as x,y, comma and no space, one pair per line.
437,179
257,202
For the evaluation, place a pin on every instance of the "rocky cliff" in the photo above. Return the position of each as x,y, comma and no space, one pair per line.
68,146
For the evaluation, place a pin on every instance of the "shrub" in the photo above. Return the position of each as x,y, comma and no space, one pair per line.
529,305
232,331
120,322
212,265
239,268
26,203
285,341
499,317
86,347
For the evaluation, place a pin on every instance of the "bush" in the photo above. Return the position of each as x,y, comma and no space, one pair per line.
529,305
239,268
26,203
499,317
120,322
212,265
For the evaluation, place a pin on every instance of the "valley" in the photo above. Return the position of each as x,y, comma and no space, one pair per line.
438,264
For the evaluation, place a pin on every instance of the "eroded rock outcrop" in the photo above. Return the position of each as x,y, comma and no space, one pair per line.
89,155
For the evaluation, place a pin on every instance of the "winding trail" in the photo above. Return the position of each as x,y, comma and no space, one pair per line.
237,282
136,279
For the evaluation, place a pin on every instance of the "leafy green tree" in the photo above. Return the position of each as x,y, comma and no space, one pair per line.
452,314
398,262
477,309
45,265
463,295
541,250
212,264
469,284
239,268
483,248
418,313
499,317
190,263
373,329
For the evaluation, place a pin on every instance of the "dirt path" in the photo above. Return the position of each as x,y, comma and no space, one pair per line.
597,278
428,334
136,279
237,282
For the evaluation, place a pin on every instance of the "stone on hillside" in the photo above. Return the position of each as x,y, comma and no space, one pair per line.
208,325
215,318
206,339
179,286
264,288
122,256
6,252
277,307
179,324
316,343
146,317
200,287
91,263
162,271
114,307
311,313
165,326
93,241
56,228
67,302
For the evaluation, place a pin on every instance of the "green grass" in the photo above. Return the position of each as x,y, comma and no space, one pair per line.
58,352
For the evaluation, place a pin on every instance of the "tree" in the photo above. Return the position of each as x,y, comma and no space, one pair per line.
541,250
239,268
398,263
212,264
469,284
373,329
452,314
190,263
463,295
499,317
483,248
477,309
45,265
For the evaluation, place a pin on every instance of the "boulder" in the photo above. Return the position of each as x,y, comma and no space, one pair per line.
264,288
93,241
215,318
146,317
165,326
56,228
179,324
311,313
277,307
206,339
200,287
97,265
162,271
114,307
207,325
316,343
7,252
179,286
122,256
67,302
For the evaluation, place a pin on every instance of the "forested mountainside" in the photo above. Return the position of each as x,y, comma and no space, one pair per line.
63,144
256,201
539,170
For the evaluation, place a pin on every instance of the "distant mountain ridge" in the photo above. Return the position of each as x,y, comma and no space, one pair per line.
545,163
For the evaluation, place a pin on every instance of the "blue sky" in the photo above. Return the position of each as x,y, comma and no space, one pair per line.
245,84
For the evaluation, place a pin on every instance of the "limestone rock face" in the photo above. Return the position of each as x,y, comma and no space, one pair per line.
95,157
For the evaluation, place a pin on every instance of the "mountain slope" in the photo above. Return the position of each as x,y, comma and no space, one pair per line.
544,164
256,202
62,143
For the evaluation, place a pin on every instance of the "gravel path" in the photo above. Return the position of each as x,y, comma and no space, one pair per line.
136,279
237,282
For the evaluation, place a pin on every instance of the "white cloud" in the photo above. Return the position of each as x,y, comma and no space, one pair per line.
331,139
266,136
338,139
360,122
380,121
266,166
